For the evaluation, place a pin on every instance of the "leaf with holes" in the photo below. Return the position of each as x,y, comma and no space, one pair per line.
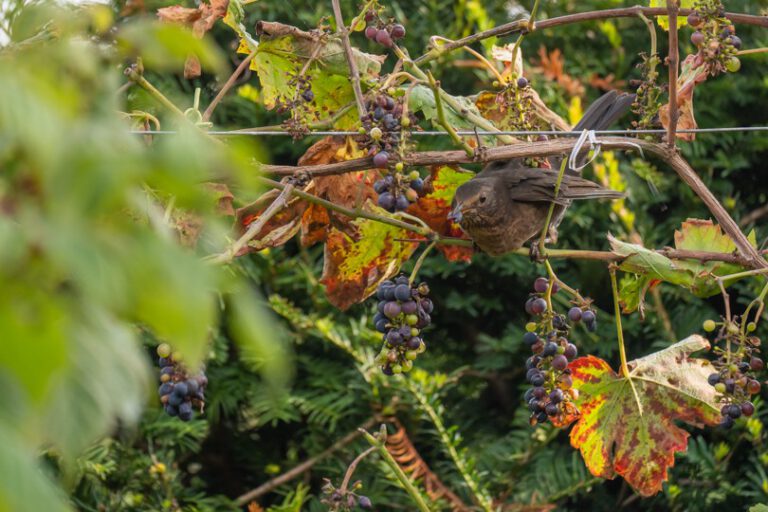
632,432
433,208
355,265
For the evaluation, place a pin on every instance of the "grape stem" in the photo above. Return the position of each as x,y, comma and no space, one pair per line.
543,236
228,85
476,54
620,337
353,71
419,262
380,445
441,119
352,467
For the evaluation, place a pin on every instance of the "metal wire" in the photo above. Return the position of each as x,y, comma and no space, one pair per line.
430,133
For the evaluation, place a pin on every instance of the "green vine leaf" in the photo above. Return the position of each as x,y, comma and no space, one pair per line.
422,99
699,277
633,435
663,21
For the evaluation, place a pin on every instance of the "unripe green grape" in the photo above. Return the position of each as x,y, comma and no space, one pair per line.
531,327
399,166
164,350
720,387
411,320
733,64
751,326
709,325
376,133
405,122
422,348
396,368
407,366
414,175
411,355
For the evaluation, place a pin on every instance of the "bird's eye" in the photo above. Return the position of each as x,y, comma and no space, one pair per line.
482,199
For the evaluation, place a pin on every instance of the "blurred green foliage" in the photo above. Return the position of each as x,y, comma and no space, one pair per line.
87,255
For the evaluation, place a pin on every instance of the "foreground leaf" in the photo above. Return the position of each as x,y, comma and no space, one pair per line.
616,438
354,266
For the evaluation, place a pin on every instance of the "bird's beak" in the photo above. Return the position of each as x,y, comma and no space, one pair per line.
456,215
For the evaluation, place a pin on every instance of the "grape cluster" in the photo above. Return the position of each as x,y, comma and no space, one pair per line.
551,396
715,37
397,191
383,123
648,91
179,393
339,500
403,311
734,379
382,33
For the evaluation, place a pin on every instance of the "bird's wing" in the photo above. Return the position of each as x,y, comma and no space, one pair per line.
536,185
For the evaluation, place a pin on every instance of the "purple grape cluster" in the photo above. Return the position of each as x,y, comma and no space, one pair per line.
715,37
381,33
734,379
339,500
397,191
403,312
551,395
179,393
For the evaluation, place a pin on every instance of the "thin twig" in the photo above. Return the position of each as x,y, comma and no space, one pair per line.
142,82
228,85
414,493
672,62
620,337
353,71
441,119
254,228
352,467
305,466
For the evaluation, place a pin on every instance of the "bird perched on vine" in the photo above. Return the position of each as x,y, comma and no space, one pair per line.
507,203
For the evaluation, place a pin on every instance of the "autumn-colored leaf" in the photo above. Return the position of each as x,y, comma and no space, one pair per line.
693,72
280,228
552,66
433,208
634,435
346,189
200,20
355,265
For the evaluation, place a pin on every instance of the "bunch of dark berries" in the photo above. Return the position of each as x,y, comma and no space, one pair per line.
715,37
403,311
179,393
340,500
397,191
382,33
551,396
734,379
383,124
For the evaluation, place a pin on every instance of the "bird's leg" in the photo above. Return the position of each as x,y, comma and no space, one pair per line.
534,253
552,232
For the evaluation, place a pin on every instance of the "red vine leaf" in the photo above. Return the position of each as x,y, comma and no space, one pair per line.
693,72
346,189
433,208
634,435
280,228
355,265
200,20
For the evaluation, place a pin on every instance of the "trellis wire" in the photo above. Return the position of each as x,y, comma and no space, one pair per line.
520,133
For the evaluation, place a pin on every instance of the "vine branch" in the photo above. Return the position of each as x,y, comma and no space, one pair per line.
353,71
672,62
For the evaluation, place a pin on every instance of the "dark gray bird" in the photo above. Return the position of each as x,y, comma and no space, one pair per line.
506,204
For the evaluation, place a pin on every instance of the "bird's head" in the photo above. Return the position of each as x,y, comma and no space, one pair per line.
474,203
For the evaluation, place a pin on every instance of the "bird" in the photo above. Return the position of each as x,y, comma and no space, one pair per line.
506,204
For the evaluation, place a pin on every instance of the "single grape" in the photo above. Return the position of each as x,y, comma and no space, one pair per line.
381,325
713,378
163,361
166,370
538,379
417,184
409,307
756,364
747,409
364,502
694,19
386,200
532,372
550,349
730,385
394,338
733,64
558,322
529,394
556,396
709,325
751,327
370,16
541,284
384,39
165,388
541,417
405,332
402,292
559,362
401,203
171,410
538,306
529,338
522,82
735,41
551,410
734,411
571,351
370,32
380,185
389,104
427,306
533,405
381,159
398,31
727,422
308,95
753,387
164,350
528,307
588,316
175,399
392,309
181,389
532,362
574,314
720,387
539,392
698,38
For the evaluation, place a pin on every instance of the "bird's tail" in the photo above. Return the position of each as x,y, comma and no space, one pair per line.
605,110
576,188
